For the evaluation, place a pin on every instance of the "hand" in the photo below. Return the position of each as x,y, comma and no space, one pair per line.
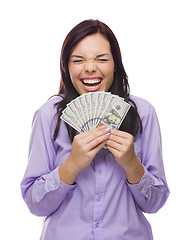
86,145
121,145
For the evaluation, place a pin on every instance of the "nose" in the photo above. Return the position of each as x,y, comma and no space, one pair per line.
90,66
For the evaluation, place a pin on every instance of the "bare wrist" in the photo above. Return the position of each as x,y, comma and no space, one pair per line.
68,172
134,171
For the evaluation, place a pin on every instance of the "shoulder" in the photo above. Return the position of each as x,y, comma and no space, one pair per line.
49,105
144,107
48,110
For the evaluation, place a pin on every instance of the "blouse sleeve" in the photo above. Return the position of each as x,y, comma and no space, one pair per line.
41,187
152,191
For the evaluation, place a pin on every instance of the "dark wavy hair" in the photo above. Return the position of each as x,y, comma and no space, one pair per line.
120,86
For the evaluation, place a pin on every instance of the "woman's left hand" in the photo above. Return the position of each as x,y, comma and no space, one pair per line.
121,145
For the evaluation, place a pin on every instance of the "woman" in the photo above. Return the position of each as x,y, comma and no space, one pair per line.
86,191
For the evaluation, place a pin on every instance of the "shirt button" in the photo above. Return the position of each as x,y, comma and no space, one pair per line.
100,171
146,196
99,199
97,224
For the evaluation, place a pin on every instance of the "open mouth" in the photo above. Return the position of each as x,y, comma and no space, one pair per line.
91,84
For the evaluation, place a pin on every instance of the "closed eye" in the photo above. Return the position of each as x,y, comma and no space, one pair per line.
77,60
103,59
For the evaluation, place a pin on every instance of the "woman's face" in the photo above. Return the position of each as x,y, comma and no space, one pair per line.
91,64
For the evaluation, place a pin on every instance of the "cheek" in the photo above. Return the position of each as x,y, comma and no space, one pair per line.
74,73
110,78
109,71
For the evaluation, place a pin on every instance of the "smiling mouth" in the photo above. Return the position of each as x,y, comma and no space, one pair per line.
91,82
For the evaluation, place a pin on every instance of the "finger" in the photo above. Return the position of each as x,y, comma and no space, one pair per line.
96,133
99,139
88,136
98,147
114,151
114,145
117,139
91,139
120,133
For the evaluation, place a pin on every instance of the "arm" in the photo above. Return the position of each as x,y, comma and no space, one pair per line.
152,191
145,176
121,145
41,187
84,148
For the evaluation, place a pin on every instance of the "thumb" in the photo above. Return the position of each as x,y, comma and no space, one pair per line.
98,147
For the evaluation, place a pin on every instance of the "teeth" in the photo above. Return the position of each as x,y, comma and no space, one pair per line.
91,81
91,87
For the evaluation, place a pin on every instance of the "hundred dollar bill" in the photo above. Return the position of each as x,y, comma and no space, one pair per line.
99,100
70,119
74,109
102,106
84,111
89,108
114,113
77,104
93,108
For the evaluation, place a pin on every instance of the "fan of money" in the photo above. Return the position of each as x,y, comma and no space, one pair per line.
93,109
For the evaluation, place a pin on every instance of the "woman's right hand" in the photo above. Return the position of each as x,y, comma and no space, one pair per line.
84,148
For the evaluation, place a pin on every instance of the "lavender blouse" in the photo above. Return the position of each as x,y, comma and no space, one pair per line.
101,205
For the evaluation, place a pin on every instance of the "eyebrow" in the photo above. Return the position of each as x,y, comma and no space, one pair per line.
98,56
102,55
77,56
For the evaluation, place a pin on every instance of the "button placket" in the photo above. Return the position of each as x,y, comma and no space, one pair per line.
98,209
100,171
99,198
97,225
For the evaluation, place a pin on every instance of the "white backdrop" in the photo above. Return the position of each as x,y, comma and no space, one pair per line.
153,40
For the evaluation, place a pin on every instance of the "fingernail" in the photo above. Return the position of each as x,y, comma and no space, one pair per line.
108,134
108,129
102,127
